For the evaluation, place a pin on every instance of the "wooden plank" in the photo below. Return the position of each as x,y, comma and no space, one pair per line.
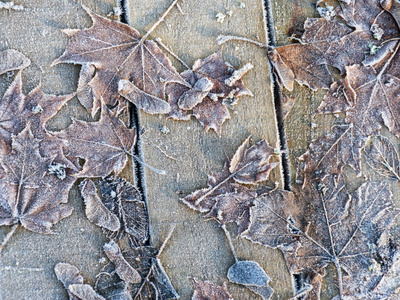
27,262
199,248
302,127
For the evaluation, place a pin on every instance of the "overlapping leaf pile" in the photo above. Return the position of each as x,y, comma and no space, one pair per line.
120,65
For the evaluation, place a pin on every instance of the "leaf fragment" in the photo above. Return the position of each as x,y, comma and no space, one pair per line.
204,290
383,157
11,60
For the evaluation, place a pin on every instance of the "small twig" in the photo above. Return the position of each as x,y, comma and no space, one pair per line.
160,149
159,41
228,237
8,236
302,292
159,20
226,38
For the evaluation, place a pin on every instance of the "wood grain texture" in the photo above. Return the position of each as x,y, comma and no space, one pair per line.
27,262
198,248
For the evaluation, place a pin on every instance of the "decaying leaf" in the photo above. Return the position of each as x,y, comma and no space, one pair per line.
68,274
95,210
11,60
383,157
204,290
104,145
328,154
155,283
30,195
84,292
322,223
225,199
117,51
120,211
251,275
213,83
123,200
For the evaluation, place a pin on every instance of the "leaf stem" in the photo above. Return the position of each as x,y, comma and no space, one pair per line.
140,161
228,237
8,236
171,231
226,38
159,20
339,274
159,41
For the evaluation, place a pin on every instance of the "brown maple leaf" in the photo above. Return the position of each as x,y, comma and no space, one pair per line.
225,199
117,51
30,195
104,145
36,108
204,290
322,223
369,97
328,154
11,60
213,83
301,62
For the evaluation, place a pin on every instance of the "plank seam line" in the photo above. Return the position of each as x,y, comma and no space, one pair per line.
138,168
277,100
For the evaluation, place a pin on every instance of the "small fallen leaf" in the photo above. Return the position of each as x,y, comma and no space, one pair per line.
251,275
95,210
124,270
84,292
68,274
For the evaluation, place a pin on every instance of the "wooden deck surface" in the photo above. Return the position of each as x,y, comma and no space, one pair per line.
198,248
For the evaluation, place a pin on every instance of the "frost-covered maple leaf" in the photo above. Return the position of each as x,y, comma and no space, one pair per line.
117,52
322,223
104,145
213,84
30,195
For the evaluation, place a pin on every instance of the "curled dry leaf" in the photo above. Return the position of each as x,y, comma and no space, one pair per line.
124,270
104,145
204,290
11,60
226,200
120,211
155,283
213,83
68,274
322,223
95,210
117,51
30,195
84,292
328,154
251,275
89,97
383,157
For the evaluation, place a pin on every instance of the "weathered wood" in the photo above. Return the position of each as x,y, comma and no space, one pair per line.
27,262
302,127
199,248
